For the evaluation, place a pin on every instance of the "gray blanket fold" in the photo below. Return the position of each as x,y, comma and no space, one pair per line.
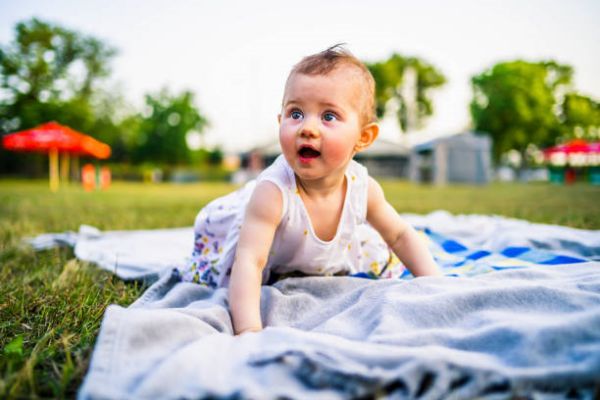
508,333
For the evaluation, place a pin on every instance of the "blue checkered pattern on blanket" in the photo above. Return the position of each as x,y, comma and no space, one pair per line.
456,259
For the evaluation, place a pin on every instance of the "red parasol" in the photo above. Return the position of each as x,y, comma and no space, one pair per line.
576,153
574,146
53,138
52,135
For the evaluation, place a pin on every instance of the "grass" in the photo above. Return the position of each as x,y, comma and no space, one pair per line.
51,304
577,206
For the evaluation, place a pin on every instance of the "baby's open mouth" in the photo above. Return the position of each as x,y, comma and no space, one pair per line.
308,152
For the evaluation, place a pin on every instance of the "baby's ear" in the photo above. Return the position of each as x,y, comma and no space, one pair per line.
368,135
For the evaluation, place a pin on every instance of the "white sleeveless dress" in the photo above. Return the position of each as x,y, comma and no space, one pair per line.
356,249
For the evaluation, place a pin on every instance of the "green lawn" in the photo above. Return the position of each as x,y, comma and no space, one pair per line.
51,305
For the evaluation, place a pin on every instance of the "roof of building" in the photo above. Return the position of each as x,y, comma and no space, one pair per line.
471,139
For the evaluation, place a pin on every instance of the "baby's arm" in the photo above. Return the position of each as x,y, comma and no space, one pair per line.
399,235
263,215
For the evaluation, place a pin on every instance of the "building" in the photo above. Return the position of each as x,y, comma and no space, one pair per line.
463,157
460,158
384,158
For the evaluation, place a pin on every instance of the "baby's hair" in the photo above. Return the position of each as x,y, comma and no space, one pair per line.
328,60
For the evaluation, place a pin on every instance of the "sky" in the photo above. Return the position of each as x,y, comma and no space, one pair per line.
235,55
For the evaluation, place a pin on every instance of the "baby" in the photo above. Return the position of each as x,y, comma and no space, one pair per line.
308,211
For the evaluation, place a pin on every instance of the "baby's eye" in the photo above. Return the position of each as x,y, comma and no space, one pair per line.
296,114
329,116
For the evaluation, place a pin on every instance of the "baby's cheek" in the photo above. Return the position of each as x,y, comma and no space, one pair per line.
287,141
339,150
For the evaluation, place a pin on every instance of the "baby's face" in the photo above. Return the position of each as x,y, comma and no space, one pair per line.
320,122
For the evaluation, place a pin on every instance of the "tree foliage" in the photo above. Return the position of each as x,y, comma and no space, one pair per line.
580,116
164,125
49,72
520,103
389,79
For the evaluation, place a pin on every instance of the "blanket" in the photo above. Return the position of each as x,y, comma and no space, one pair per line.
509,333
517,314
475,242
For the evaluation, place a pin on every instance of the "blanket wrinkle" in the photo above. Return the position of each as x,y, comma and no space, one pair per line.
316,370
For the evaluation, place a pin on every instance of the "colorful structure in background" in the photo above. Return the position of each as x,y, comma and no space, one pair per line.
93,177
573,161
54,139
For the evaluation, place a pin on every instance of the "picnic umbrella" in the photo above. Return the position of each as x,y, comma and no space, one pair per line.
576,152
53,138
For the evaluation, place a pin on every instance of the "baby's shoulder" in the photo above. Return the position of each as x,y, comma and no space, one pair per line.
267,189
266,202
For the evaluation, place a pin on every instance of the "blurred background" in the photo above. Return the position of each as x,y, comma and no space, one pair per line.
467,91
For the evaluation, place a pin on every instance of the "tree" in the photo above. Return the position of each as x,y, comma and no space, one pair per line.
49,73
117,123
414,103
516,103
580,116
164,127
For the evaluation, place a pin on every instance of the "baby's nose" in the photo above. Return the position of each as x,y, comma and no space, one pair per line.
309,128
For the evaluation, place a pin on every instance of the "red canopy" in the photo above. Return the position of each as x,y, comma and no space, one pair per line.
574,146
53,136
576,153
